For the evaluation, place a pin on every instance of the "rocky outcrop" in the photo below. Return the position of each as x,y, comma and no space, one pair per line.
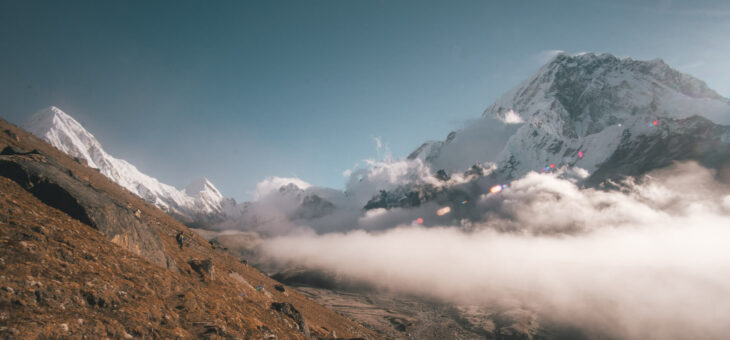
289,311
203,267
58,187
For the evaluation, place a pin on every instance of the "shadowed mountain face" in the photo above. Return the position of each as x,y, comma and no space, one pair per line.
694,138
83,257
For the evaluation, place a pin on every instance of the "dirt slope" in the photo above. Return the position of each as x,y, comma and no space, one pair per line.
66,277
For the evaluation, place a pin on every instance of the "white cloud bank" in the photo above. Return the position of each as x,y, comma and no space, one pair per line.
649,262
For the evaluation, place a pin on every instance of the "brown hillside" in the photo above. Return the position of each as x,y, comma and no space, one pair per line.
115,269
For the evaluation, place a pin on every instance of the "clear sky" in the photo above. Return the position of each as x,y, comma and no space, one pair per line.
240,90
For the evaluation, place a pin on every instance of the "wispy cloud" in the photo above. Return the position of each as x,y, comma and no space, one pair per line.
691,66
378,143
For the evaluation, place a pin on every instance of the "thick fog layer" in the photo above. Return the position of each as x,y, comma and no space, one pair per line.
648,262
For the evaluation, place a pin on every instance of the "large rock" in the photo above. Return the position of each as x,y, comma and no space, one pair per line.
291,312
57,186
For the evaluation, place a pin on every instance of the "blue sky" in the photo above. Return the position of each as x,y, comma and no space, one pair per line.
240,90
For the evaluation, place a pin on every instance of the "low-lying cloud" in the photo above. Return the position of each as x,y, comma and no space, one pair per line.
650,261
274,183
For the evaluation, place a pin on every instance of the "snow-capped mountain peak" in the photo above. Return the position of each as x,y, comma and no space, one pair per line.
200,200
206,195
575,110
578,95
202,186
66,134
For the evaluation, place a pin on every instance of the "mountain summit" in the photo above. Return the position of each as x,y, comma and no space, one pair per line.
577,110
199,202
583,94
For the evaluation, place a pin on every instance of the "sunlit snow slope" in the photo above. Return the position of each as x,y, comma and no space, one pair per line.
199,201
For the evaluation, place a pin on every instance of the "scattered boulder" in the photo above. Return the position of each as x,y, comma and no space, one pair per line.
202,267
400,324
279,287
291,312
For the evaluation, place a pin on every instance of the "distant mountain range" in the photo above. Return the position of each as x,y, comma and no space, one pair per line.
592,117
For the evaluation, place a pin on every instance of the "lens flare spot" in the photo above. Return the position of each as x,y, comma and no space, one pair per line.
656,122
418,221
552,166
443,211
580,154
495,189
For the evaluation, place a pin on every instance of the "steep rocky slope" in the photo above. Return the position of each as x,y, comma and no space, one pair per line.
82,257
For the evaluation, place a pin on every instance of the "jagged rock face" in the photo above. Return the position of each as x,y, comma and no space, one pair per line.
59,188
405,197
694,138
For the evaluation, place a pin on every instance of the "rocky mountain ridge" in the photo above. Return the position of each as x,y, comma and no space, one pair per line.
200,202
